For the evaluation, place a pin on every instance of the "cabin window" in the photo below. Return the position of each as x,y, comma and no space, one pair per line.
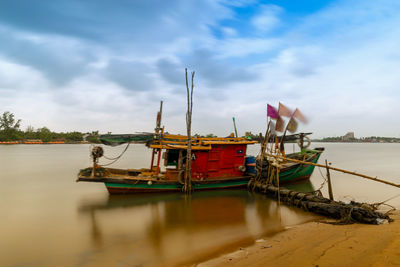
172,158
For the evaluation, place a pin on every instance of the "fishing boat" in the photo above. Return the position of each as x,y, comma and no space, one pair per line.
216,163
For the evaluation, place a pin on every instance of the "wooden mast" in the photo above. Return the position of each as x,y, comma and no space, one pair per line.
234,126
157,133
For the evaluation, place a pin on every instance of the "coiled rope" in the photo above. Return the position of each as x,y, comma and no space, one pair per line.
116,158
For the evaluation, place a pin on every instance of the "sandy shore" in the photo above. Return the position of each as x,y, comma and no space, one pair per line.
320,244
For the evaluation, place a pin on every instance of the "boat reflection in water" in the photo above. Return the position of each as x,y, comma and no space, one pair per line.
177,229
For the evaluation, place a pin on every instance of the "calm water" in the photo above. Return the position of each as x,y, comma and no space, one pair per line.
50,220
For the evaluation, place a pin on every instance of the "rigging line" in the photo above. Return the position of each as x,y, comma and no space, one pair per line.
118,155
116,158
384,202
319,169
325,180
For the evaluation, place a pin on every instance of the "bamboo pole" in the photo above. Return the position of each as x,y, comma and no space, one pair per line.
264,144
336,169
94,167
277,181
187,188
152,159
158,128
157,131
158,162
328,175
265,141
281,144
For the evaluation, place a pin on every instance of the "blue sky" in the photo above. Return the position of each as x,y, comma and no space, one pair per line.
105,65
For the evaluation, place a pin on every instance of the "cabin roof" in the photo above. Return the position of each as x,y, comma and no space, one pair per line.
168,141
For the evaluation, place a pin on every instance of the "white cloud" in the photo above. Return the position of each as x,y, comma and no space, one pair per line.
228,32
268,18
339,66
241,47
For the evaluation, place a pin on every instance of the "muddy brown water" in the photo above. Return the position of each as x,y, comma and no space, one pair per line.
50,220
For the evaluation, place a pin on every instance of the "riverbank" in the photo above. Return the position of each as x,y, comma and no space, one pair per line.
43,143
320,244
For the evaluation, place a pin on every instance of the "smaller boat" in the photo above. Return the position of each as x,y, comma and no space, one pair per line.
290,172
273,166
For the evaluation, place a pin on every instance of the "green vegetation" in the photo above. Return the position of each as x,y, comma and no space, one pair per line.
9,128
93,137
10,131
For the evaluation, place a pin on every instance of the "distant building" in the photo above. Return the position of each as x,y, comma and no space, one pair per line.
349,136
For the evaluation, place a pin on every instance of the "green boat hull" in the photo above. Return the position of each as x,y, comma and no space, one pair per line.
161,186
298,172
128,185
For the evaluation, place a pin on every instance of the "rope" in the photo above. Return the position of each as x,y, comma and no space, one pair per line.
119,155
324,182
116,158
376,205
384,202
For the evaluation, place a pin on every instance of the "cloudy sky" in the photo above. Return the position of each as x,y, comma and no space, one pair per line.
105,65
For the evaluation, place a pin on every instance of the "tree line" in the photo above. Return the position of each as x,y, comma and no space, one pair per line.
10,131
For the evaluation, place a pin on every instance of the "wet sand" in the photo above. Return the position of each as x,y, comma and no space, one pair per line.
320,244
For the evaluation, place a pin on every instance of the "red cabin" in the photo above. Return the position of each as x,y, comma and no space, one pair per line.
212,158
221,161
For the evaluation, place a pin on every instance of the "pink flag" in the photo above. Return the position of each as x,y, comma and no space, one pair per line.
271,112
298,115
284,111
